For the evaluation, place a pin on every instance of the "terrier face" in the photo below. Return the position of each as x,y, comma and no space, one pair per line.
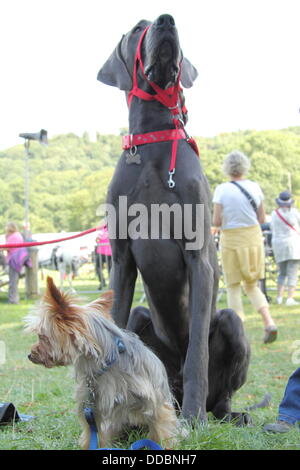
63,327
43,353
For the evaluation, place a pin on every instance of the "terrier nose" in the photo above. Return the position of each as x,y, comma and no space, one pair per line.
29,357
165,22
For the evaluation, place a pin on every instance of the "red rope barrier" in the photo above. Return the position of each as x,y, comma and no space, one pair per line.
28,244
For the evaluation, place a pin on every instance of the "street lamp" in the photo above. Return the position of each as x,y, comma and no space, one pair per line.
42,138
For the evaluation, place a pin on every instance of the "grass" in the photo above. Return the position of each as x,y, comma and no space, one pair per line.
47,394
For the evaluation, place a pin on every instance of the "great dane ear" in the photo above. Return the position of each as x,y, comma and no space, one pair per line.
114,71
188,73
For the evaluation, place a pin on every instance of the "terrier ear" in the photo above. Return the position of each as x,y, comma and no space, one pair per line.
104,303
58,302
106,300
66,317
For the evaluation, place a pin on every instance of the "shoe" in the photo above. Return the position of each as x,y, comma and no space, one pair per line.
270,334
279,300
279,426
290,302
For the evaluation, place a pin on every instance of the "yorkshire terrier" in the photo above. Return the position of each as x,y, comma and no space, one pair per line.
117,375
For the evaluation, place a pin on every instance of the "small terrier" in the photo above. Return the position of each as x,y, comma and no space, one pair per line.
121,379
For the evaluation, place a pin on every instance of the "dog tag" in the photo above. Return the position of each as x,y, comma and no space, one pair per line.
133,158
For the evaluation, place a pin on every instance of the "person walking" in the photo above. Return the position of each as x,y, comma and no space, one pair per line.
16,259
285,228
103,254
238,212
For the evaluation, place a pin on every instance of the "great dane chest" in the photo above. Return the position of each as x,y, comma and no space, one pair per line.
147,179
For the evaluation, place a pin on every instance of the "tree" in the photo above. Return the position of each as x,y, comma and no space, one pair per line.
69,178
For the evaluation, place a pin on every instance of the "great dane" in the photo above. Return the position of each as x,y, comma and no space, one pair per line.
206,353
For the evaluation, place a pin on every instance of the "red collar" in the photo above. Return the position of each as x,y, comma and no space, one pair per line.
131,140
170,98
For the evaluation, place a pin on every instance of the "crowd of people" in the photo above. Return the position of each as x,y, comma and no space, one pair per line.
238,214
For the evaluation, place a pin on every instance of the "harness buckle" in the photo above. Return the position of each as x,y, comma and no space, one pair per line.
171,182
187,136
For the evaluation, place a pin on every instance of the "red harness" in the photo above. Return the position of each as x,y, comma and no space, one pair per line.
170,98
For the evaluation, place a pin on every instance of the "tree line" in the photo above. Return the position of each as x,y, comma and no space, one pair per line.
70,176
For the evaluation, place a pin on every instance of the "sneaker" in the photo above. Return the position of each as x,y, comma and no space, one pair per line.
279,426
270,334
279,300
290,302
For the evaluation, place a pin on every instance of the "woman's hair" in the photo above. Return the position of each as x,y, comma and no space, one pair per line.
236,164
11,227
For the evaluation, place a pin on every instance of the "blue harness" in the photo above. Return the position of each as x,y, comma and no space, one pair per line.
137,445
89,414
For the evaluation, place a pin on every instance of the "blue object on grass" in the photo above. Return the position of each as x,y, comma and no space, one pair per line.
141,444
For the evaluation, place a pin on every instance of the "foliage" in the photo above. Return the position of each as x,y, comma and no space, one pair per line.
274,154
69,177
68,181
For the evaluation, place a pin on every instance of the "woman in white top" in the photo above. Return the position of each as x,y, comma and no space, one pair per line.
239,211
285,226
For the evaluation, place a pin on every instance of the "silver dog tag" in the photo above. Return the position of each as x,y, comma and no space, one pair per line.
132,156
133,159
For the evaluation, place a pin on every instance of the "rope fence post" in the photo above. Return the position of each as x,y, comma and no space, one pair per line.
31,275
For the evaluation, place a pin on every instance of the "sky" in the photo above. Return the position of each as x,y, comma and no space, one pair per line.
246,53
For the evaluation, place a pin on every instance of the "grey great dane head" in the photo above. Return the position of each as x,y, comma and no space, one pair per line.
161,55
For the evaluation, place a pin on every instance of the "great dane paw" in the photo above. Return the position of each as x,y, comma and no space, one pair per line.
241,419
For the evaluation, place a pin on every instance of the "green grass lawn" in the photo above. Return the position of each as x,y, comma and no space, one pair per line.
48,393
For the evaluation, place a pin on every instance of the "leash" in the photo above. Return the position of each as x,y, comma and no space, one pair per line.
49,242
171,98
137,445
